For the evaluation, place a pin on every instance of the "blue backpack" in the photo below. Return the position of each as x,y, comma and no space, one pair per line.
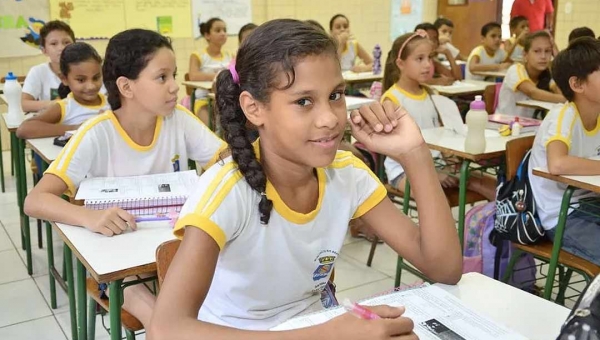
480,255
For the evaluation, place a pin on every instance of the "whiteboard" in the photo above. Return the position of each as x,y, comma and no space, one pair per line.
235,14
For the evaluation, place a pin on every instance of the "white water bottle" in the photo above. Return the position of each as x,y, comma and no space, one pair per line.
516,128
477,119
12,92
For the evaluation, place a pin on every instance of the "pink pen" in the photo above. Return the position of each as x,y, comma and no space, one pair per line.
359,311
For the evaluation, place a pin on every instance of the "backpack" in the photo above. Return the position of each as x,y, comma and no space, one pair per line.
516,218
479,254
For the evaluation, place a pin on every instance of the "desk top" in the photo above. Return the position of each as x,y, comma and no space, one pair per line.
495,74
591,183
448,141
363,77
10,127
537,104
45,148
205,85
462,88
113,258
525,313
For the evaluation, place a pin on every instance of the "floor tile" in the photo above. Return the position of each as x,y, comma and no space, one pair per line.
25,301
350,273
12,266
384,259
5,241
62,300
64,320
365,291
41,329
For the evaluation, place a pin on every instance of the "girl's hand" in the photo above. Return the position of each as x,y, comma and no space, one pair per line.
386,129
504,66
109,222
391,326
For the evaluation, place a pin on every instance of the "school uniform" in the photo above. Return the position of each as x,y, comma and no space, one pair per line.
582,231
267,274
102,148
348,56
510,95
453,50
484,59
73,112
209,64
42,83
518,51
422,110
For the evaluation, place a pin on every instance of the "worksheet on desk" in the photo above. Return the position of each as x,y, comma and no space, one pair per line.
437,315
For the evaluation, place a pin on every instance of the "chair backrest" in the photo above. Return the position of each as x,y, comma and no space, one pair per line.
164,255
490,97
20,79
515,151
188,89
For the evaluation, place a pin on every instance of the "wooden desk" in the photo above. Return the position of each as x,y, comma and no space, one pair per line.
352,78
537,104
110,260
465,87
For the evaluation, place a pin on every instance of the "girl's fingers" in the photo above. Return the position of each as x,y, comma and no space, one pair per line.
382,117
128,218
393,112
370,118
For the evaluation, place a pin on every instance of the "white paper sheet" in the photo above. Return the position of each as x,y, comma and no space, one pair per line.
437,315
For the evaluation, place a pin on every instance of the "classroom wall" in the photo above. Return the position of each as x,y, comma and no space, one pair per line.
583,13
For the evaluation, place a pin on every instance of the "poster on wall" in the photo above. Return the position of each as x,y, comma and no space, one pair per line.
20,24
405,15
235,14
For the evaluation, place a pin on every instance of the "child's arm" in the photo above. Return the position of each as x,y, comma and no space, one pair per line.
45,124
454,71
195,73
188,281
366,59
45,202
441,80
433,246
561,163
476,66
528,88
29,103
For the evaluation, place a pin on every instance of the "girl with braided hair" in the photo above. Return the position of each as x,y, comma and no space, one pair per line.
266,225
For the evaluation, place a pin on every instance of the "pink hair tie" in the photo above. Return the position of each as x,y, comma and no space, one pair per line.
234,74
418,33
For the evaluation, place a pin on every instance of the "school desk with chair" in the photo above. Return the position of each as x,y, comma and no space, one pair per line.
203,85
499,75
591,183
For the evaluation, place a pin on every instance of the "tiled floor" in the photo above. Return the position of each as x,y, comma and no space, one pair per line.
25,311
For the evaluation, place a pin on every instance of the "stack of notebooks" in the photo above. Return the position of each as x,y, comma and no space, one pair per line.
139,195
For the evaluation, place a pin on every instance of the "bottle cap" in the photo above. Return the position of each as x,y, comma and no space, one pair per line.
11,76
477,104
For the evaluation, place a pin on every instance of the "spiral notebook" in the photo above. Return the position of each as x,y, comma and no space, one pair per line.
140,195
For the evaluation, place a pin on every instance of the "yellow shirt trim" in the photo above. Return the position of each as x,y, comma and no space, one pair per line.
559,138
215,157
592,132
376,197
523,76
422,96
94,107
128,140
389,96
75,140
202,223
221,194
63,110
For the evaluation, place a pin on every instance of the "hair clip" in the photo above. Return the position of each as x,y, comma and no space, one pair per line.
234,74
263,194
418,33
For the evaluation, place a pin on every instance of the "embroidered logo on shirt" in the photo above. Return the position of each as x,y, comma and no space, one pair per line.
175,161
324,268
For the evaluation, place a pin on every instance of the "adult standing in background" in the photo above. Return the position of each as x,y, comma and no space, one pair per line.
540,13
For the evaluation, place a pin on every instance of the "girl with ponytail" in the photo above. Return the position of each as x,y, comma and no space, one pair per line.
265,226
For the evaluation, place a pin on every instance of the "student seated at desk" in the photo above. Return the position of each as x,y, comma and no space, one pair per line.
205,66
530,80
568,137
81,73
408,66
260,248
488,56
41,84
445,28
514,46
348,48
146,133
441,74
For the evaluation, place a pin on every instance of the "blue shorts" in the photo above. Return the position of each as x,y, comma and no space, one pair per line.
582,232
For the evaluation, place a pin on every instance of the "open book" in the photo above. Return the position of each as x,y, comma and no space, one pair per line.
528,124
437,315
140,195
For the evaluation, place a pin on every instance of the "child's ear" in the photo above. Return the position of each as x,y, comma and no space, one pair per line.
63,79
576,84
252,109
125,87
399,63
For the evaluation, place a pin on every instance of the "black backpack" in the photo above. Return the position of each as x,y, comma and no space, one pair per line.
584,321
516,218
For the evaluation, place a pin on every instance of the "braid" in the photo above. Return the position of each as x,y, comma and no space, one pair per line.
233,122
